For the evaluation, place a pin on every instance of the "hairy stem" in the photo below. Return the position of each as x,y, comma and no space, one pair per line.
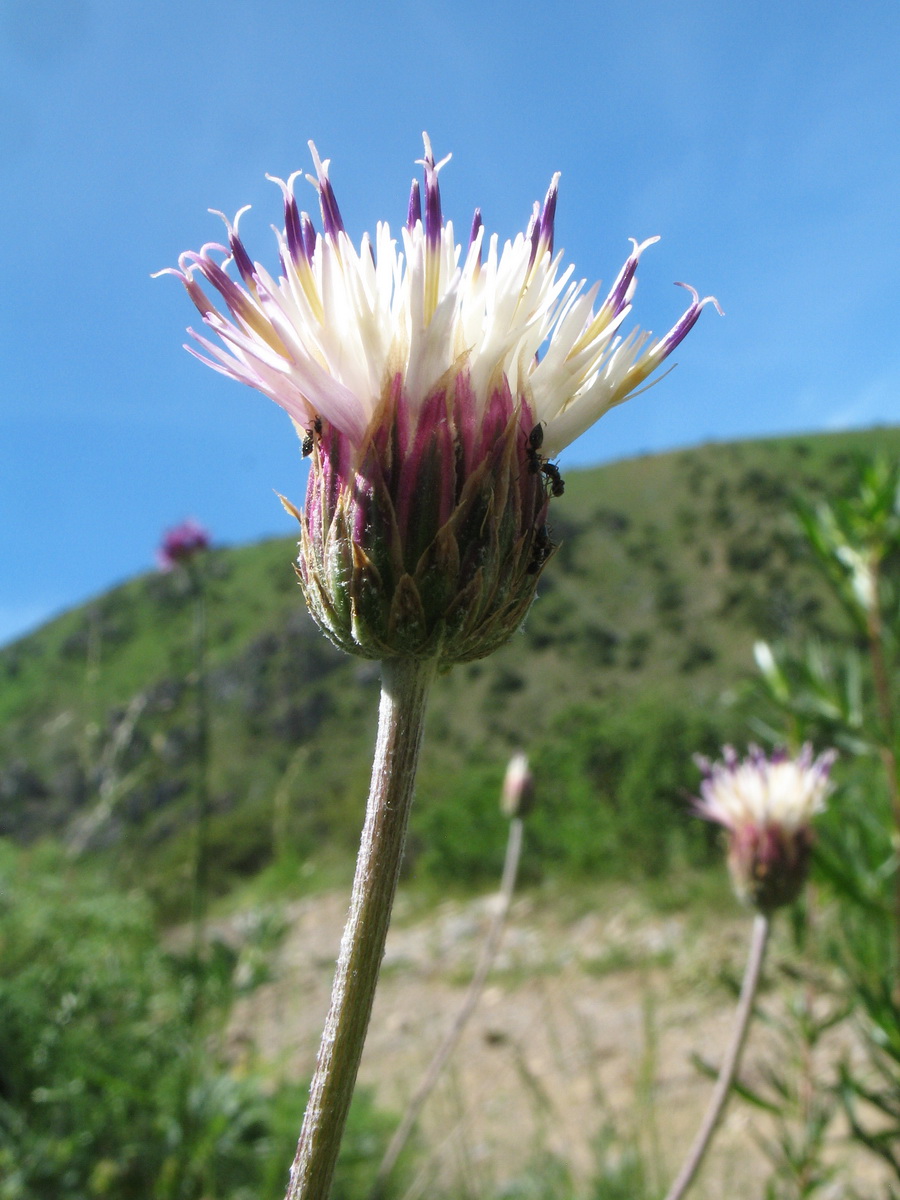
731,1062
200,882
476,987
404,690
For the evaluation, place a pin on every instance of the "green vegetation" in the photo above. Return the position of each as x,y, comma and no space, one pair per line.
844,690
114,1081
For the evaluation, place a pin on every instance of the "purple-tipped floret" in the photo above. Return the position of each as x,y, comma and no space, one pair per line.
414,212
242,259
332,221
533,232
308,230
234,296
548,214
434,221
293,229
200,299
618,293
688,320
477,224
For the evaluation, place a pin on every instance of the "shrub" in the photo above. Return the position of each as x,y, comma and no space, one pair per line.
111,1080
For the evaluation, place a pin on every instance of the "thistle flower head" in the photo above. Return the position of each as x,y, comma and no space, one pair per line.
181,544
766,806
431,384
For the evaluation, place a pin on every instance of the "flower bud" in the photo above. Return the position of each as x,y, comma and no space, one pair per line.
430,541
766,806
517,797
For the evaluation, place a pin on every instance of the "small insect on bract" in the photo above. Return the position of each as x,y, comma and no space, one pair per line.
309,441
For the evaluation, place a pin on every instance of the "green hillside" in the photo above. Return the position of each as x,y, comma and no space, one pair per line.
630,660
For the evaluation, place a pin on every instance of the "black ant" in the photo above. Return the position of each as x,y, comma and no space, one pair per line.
532,450
557,484
541,549
537,462
309,441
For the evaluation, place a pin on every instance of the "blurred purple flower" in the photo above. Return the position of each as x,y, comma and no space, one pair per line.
181,544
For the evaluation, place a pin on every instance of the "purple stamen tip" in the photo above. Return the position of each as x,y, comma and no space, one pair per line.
622,290
292,228
414,213
533,233
548,215
434,221
331,214
308,231
197,294
428,161
618,295
701,303
688,320
219,278
477,224
242,259
332,221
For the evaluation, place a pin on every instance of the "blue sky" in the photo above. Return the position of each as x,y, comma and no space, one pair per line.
759,140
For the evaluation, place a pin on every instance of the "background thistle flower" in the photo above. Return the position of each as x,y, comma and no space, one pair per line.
766,805
432,387
181,544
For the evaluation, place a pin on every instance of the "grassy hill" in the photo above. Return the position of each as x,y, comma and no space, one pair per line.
631,659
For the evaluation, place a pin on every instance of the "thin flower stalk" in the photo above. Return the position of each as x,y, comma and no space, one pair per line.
183,548
731,1062
200,887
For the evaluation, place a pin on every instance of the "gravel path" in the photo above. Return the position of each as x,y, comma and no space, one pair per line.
587,1026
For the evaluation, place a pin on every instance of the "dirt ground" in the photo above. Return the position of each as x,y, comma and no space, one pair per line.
587,1029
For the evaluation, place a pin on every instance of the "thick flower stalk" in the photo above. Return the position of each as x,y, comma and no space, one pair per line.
766,806
432,387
